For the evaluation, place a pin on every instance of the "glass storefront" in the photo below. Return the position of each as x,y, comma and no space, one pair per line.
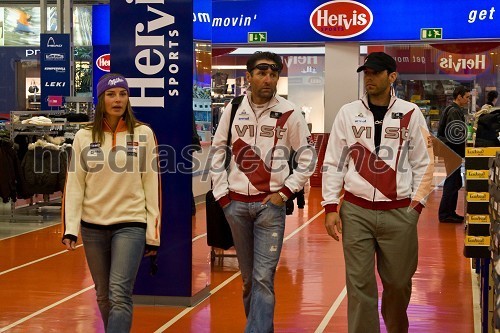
301,80
429,73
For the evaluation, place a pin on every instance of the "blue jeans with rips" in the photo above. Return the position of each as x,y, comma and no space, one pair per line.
258,237
113,257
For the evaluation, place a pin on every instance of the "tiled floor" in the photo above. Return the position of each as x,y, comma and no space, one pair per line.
27,218
46,289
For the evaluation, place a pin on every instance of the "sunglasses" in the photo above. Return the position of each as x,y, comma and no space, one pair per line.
265,67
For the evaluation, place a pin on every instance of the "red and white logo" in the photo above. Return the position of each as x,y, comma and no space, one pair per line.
341,19
54,100
463,64
104,62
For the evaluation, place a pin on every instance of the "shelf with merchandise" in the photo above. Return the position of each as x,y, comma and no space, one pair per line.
430,112
55,124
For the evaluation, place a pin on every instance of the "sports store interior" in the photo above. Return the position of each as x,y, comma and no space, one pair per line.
44,288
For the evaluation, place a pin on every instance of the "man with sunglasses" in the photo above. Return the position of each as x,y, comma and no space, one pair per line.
256,185
379,153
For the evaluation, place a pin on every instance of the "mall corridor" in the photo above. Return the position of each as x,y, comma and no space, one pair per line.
44,288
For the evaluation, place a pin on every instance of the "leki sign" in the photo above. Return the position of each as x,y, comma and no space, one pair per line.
341,19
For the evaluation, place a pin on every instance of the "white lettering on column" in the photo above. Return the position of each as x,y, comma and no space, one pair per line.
149,83
163,21
147,68
147,40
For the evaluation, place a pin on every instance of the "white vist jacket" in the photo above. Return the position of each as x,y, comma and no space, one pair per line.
402,170
261,145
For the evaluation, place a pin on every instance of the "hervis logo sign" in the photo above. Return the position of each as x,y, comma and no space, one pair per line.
104,62
450,63
341,19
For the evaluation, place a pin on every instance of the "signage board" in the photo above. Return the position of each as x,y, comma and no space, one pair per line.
257,37
54,101
101,64
368,20
100,24
202,27
55,67
152,46
431,33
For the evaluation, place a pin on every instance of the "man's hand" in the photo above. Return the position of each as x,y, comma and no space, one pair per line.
332,221
275,199
70,244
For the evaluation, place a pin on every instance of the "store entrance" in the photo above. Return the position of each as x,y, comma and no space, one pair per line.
28,87
432,93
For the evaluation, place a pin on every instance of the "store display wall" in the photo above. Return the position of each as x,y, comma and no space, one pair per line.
428,75
20,43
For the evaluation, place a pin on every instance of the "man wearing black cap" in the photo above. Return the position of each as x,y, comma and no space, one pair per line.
379,152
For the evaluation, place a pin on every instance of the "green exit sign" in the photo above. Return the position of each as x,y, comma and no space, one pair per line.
431,33
257,37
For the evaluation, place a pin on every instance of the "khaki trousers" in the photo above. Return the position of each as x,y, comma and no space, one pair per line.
390,237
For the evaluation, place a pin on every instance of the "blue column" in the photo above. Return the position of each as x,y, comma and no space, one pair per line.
152,46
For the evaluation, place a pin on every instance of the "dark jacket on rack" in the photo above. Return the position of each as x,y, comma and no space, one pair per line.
11,185
488,128
44,168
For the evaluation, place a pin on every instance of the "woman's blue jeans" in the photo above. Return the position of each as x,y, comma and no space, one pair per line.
113,257
258,237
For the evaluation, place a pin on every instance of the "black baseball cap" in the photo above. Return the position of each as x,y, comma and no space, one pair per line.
379,61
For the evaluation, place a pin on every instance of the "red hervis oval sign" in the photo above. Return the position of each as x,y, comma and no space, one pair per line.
341,19
104,62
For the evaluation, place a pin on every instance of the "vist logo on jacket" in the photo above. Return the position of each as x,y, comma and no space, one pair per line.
266,131
390,132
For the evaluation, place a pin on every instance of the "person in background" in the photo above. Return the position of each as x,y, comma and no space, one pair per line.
301,201
491,98
379,152
452,131
488,129
33,88
491,101
258,182
112,194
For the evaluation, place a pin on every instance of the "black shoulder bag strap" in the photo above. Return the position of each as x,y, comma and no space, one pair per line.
235,103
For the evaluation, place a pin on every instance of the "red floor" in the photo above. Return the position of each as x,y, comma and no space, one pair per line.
55,294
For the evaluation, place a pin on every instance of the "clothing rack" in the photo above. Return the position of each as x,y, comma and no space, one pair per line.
46,209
